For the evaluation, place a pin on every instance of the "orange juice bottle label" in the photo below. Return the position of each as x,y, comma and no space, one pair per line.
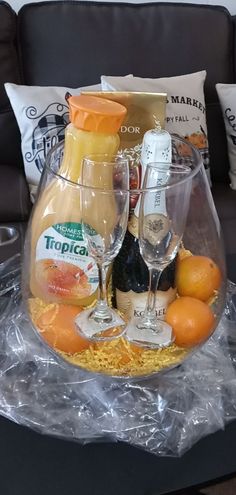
63,268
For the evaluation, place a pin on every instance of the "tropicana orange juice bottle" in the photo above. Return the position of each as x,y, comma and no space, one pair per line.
60,268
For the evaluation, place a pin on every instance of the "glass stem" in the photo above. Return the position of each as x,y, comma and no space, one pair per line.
154,277
102,283
101,313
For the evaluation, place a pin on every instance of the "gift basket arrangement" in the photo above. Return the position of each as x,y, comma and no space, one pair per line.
117,321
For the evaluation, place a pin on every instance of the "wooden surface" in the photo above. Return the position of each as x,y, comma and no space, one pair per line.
224,488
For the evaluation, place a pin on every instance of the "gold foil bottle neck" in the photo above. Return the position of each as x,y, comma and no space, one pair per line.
133,226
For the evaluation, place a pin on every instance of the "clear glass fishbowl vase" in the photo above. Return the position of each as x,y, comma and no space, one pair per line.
126,283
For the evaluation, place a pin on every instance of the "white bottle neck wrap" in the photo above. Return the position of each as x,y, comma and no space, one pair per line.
156,148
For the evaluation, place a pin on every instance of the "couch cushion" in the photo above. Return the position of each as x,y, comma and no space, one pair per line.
234,48
228,227
8,56
67,57
128,38
14,195
231,267
10,136
225,201
219,163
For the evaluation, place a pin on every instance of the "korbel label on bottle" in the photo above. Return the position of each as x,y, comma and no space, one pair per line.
132,304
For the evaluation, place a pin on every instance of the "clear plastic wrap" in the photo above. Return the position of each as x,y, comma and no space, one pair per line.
164,414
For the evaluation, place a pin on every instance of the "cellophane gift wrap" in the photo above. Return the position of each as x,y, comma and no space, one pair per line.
165,414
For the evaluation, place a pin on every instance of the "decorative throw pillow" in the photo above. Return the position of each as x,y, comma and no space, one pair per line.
42,114
227,97
185,110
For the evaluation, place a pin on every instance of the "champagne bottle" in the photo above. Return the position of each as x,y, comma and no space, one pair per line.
130,277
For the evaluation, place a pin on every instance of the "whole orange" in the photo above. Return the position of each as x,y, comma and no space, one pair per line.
57,327
192,321
197,276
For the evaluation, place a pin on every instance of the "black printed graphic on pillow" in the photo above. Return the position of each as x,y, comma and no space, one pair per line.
186,100
233,139
49,130
230,117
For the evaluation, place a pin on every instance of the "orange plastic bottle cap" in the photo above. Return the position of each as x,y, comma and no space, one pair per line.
92,113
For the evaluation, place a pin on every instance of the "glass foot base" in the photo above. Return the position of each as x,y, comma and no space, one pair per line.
94,330
146,337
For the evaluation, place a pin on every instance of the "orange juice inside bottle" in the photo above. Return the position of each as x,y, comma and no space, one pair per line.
61,269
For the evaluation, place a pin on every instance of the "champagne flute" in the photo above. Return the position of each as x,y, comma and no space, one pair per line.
105,210
162,218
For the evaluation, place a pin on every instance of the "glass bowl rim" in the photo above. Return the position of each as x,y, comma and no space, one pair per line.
191,175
